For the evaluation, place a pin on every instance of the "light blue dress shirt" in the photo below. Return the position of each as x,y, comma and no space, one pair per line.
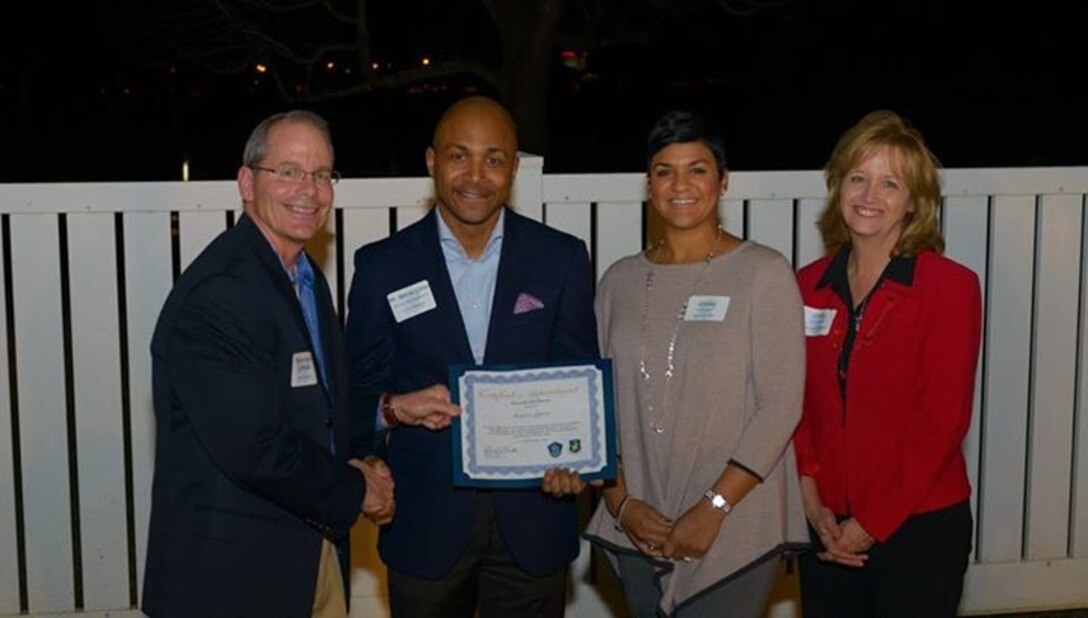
473,281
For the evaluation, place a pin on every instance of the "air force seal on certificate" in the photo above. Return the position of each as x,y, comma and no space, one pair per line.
410,301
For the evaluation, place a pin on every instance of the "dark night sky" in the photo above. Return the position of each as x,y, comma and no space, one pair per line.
988,87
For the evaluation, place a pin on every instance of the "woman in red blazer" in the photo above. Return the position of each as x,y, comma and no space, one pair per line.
892,330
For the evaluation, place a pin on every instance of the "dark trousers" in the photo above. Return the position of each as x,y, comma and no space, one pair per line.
916,573
485,575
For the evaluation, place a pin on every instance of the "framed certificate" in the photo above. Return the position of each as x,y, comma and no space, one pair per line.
518,421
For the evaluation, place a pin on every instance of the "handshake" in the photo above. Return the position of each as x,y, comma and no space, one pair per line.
379,505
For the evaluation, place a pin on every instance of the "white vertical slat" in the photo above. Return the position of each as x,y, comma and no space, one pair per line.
322,249
361,226
572,218
1079,532
1050,453
527,197
148,279
96,361
965,221
810,245
9,563
43,424
731,215
368,575
196,229
770,222
619,232
1007,366
407,215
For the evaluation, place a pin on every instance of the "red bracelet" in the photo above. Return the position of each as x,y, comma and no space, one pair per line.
388,414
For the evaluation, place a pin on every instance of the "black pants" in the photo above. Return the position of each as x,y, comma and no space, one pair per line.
916,573
485,574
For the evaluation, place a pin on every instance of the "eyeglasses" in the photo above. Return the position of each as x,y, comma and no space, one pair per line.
294,173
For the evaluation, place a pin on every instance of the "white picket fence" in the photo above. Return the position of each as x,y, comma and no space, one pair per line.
84,269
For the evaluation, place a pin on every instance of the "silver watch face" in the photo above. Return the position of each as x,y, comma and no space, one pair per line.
718,501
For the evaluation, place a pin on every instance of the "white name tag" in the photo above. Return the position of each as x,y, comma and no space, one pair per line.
706,308
818,321
411,301
303,370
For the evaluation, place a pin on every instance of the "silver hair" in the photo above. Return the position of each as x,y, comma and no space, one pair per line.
257,144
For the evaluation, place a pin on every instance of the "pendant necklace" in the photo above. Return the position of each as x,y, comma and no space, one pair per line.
656,423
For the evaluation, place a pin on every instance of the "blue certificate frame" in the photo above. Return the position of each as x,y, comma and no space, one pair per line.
517,422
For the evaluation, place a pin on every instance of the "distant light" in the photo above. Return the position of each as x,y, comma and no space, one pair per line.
574,59
185,170
261,68
330,65
426,61
374,66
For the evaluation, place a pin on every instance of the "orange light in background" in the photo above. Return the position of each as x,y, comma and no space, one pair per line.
374,66
261,68
330,65
426,61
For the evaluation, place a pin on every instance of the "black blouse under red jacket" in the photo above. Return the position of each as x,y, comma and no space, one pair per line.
893,446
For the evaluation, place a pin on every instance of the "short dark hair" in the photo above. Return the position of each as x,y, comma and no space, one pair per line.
683,127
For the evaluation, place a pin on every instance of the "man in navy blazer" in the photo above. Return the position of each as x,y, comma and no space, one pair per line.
477,283
254,492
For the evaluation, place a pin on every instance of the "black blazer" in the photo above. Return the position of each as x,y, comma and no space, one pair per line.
245,484
433,519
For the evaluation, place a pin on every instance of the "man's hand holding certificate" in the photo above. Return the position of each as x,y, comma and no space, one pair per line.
518,422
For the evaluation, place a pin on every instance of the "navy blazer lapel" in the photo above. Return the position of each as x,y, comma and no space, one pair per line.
281,282
433,265
507,284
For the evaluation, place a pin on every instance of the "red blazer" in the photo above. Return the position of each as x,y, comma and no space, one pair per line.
892,447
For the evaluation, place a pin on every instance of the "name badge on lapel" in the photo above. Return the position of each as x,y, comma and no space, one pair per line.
408,302
818,321
303,370
706,308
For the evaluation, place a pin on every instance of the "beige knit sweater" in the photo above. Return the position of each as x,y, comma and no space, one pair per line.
735,394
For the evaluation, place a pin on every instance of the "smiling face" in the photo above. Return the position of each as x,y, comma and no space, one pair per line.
473,162
874,199
685,184
289,213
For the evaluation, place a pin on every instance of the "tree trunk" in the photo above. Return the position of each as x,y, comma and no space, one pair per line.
527,32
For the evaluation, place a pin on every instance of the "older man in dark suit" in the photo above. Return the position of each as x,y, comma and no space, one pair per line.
492,287
254,490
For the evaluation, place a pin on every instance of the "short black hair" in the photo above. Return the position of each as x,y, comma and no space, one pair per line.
682,127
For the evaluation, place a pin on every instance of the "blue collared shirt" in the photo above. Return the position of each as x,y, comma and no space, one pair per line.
473,280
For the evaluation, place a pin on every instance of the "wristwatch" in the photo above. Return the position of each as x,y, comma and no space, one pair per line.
388,414
718,501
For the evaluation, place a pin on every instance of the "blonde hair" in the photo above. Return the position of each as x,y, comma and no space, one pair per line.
911,159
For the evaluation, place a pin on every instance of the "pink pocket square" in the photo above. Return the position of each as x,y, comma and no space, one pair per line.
526,303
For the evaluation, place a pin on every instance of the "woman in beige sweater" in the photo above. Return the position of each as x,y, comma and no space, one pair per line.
706,334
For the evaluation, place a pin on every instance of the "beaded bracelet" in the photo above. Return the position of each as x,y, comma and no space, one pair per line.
619,512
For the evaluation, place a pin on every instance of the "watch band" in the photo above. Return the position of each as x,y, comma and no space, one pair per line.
389,415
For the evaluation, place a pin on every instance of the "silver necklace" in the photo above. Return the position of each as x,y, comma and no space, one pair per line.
656,423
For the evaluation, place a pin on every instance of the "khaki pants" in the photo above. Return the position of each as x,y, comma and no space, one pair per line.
329,598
